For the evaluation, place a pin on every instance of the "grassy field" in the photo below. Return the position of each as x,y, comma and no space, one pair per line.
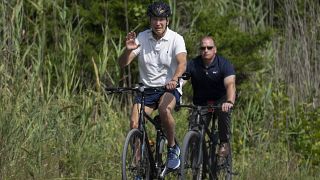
81,138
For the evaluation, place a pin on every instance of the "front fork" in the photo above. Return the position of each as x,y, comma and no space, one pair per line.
200,159
160,143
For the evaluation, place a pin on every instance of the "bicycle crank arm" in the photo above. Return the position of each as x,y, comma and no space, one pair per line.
164,172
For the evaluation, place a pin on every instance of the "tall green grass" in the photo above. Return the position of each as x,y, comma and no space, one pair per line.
269,132
297,51
50,126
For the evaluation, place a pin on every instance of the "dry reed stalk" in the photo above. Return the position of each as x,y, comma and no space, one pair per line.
297,60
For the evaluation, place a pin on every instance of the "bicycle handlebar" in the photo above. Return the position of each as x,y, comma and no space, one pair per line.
119,89
197,107
209,108
140,88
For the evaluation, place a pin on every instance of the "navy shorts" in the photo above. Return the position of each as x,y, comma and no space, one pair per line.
153,97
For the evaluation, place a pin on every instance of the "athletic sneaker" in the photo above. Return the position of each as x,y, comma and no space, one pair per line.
173,157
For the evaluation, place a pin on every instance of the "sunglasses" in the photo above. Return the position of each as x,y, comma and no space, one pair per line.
206,47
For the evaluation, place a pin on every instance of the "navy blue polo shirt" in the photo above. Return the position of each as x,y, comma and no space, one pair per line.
208,83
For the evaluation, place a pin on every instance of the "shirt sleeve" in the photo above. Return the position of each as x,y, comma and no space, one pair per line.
228,69
180,46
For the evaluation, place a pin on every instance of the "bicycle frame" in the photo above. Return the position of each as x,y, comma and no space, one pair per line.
155,161
203,125
156,166
207,138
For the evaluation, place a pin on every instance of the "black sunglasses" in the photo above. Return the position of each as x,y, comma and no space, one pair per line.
206,47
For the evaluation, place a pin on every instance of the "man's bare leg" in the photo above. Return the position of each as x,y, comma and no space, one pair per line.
134,120
166,107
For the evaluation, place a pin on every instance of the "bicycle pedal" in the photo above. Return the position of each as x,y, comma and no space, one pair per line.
167,170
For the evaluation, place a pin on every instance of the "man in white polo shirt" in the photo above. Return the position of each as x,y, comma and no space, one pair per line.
162,59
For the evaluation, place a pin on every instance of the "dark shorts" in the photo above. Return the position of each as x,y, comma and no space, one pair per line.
153,97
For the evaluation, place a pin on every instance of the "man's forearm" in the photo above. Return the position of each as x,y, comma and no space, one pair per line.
182,65
125,58
230,85
180,70
231,94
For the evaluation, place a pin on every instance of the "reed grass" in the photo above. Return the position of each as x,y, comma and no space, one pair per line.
298,51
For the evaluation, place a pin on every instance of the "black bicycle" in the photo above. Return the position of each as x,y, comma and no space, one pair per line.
141,158
199,158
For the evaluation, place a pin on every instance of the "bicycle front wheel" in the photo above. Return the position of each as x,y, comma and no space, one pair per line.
135,157
191,164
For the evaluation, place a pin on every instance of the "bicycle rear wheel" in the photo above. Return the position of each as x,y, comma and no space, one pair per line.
191,164
135,157
223,166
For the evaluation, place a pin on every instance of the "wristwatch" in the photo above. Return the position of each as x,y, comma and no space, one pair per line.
230,102
175,81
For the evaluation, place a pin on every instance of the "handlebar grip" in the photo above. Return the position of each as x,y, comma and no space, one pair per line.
111,89
178,84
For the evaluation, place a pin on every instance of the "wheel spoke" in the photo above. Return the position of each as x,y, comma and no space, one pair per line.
132,163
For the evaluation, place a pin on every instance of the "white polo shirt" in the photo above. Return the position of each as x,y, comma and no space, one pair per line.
157,58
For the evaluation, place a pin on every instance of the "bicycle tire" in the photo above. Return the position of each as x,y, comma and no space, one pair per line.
228,175
132,164
191,164
223,170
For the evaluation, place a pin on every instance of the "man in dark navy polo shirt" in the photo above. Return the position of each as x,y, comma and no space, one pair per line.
213,81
